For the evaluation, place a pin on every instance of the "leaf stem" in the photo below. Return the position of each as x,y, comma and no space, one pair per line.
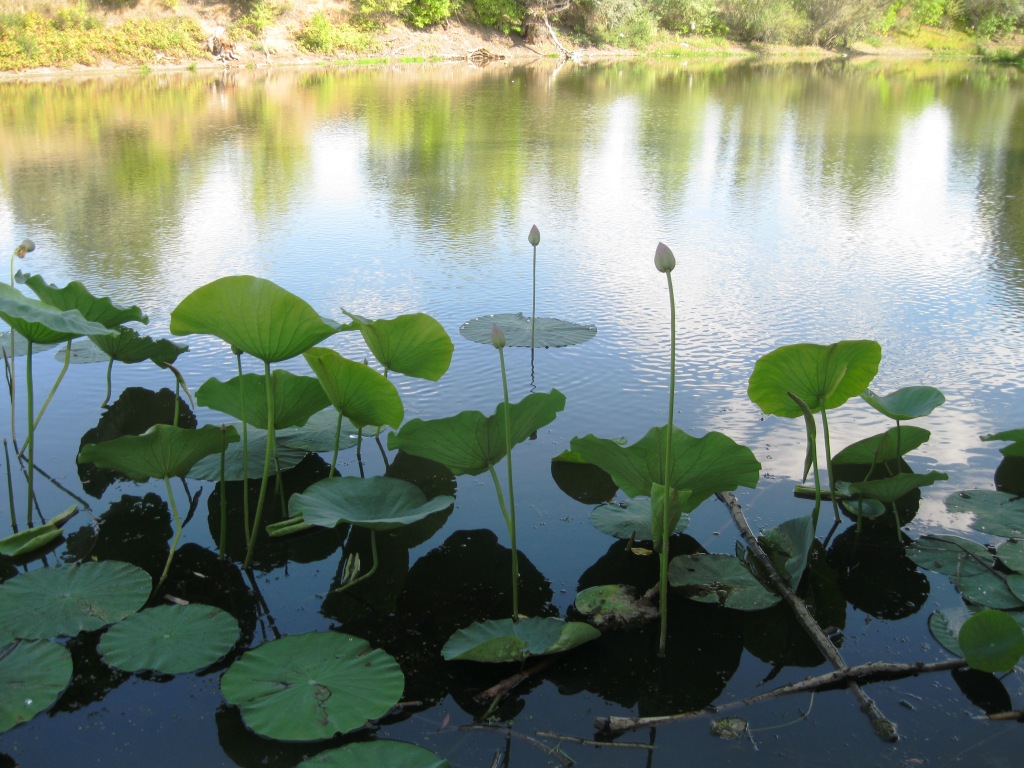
665,532
266,466
828,467
369,573
31,431
533,315
245,450
177,533
337,445
510,524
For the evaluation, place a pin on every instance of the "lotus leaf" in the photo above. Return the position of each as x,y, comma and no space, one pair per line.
991,641
704,465
905,403
862,508
999,514
21,346
296,398
32,539
789,546
357,391
630,519
891,489
993,590
821,376
253,315
945,626
127,346
33,675
719,579
953,556
170,639
892,444
41,323
670,502
581,481
503,640
1011,555
287,456
312,686
469,442
1015,436
161,451
614,605
317,434
64,601
384,754
415,345
547,331
76,296
377,503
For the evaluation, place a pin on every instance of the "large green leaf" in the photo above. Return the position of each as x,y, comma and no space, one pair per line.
286,456
993,590
170,639
891,444
127,346
630,519
361,394
64,601
416,345
991,641
378,503
1014,436
317,434
953,556
1011,555
310,687
614,606
32,677
383,754
669,502
890,489
789,546
469,442
906,403
253,315
503,640
547,331
76,296
705,465
822,376
719,580
42,323
999,514
945,627
161,451
296,398
32,539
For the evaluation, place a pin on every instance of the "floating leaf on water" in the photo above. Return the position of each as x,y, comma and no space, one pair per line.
170,639
1011,555
580,480
953,556
615,606
162,451
999,514
415,344
312,686
33,675
64,601
503,640
867,509
720,580
286,457
905,403
993,590
945,626
32,539
891,444
992,641
547,331
21,346
630,519
377,503
729,727
296,398
384,754
317,434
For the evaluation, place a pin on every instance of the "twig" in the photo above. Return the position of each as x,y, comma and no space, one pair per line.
554,752
499,690
1013,714
592,743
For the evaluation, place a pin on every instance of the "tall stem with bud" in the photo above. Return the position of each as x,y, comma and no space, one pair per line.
508,512
534,238
665,262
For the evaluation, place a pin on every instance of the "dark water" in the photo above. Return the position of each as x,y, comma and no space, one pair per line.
805,202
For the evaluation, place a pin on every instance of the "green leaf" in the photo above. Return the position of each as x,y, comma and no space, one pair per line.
253,315
704,465
64,601
503,640
720,580
1016,436
161,451
1011,555
789,545
32,677
891,489
41,323
614,605
127,346
676,507
905,403
361,394
76,296
414,345
953,556
999,514
945,626
547,332
286,456
384,754
993,590
32,539
296,398
312,686
21,346
469,442
170,639
821,376
992,641
630,519
317,434
892,444
378,503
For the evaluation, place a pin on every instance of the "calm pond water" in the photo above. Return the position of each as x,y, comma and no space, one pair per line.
805,202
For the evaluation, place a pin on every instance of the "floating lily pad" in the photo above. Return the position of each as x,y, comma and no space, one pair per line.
992,641
891,489
310,687
631,518
21,345
729,727
945,627
615,606
547,331
891,444
1011,555
867,509
32,539
999,514
170,639
415,344
64,601
384,754
377,503
286,457
317,434
905,403
721,580
953,556
33,675
503,640
993,590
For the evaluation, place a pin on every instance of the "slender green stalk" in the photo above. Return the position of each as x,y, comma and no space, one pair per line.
510,524
337,445
533,313
266,467
53,389
369,573
667,475
511,516
245,450
31,432
223,544
177,533
10,488
828,468
110,370
177,402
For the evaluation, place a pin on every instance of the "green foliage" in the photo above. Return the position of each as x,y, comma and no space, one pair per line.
624,23
697,17
423,13
506,15
321,35
257,18
993,19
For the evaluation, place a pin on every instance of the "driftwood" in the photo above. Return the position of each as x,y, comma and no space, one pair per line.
483,56
220,45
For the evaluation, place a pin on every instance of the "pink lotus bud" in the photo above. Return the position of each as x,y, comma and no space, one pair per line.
497,336
534,236
664,260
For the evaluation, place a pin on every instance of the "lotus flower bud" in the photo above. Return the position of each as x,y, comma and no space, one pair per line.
497,336
664,260
534,236
27,246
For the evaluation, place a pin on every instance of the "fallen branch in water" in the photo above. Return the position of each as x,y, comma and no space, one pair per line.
499,690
